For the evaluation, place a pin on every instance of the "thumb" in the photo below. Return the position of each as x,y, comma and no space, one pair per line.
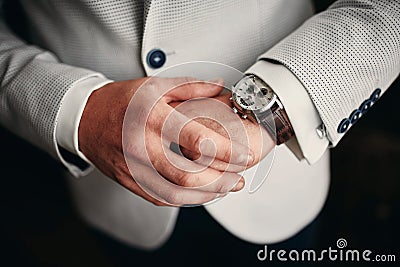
195,89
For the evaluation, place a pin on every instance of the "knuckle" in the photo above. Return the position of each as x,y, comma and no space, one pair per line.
228,181
222,184
197,140
221,187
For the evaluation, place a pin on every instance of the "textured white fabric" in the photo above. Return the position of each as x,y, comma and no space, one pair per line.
342,55
299,108
32,86
209,30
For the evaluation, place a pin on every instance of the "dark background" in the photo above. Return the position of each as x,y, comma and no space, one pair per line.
39,226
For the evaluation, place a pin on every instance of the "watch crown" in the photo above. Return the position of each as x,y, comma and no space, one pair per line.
244,116
235,110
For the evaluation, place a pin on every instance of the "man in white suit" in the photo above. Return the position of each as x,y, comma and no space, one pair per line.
59,91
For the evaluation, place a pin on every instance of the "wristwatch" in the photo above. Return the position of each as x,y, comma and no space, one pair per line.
252,98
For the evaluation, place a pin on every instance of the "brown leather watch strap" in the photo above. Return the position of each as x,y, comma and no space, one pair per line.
281,129
284,130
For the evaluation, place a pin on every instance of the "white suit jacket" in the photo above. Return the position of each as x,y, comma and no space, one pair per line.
327,69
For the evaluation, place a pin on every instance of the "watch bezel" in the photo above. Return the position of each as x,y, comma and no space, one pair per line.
260,85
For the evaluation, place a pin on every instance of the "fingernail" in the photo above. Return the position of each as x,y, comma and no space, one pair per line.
239,186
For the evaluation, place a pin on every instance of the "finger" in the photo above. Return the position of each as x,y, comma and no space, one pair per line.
211,162
202,140
185,88
124,178
187,173
153,186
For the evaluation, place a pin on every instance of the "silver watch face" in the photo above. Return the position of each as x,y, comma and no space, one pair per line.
250,96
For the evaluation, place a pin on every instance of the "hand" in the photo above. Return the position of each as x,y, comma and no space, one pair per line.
141,154
223,121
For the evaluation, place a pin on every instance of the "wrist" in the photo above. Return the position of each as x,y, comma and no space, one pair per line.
71,110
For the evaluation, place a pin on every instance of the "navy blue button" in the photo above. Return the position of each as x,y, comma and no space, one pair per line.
355,116
156,58
365,106
375,95
344,125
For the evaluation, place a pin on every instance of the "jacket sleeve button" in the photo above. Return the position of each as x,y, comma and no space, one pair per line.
365,106
344,126
375,95
355,116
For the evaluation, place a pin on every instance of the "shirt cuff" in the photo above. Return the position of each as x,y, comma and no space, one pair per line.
71,111
301,111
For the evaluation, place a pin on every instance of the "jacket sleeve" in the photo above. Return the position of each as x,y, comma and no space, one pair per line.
344,58
33,84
